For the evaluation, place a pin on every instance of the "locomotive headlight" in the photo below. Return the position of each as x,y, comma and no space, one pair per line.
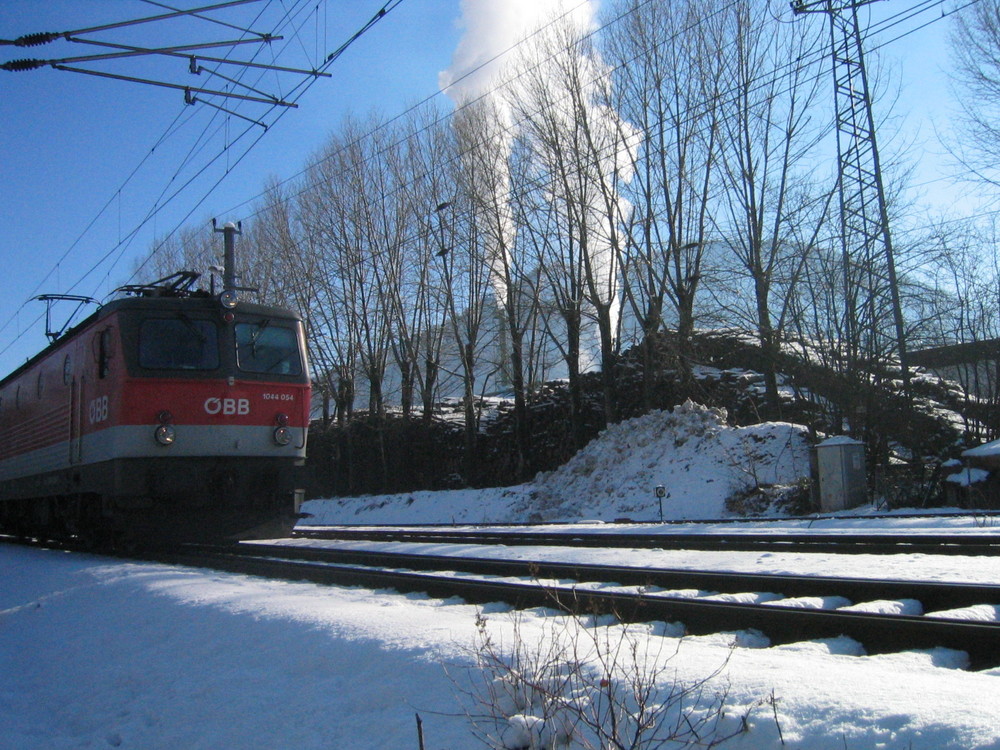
282,436
229,299
165,434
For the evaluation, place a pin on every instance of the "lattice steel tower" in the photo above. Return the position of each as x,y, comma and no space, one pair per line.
868,262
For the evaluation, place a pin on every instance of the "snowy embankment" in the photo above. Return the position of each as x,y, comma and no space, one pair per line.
699,459
100,653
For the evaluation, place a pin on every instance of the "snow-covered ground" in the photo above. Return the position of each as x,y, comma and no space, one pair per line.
98,653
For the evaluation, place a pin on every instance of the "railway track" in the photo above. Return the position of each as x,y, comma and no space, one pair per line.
880,544
462,577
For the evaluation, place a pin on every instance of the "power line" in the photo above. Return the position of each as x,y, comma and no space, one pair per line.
899,19
329,61
38,39
766,79
298,92
790,69
168,132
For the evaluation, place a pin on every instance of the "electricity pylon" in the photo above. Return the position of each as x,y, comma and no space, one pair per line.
868,262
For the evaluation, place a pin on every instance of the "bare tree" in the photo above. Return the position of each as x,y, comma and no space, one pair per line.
351,230
583,156
490,165
333,341
958,304
466,260
975,42
425,177
668,61
269,248
287,268
766,138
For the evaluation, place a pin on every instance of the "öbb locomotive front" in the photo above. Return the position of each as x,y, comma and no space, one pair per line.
172,414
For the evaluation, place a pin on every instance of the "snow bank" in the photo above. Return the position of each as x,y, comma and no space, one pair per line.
968,477
692,452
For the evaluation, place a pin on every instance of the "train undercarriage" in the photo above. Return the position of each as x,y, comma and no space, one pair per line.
147,502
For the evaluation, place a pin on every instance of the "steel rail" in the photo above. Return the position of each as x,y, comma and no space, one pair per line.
938,544
972,513
878,633
933,595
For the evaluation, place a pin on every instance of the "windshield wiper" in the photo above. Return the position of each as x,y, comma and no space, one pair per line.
189,324
264,323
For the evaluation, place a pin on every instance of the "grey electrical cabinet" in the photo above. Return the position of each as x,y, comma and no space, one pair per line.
841,467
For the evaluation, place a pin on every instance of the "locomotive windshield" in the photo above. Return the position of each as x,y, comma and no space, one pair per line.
266,348
178,343
198,341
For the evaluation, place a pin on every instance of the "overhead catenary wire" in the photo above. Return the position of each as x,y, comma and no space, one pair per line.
169,132
329,61
899,19
766,79
201,17
297,92
160,202
40,38
188,52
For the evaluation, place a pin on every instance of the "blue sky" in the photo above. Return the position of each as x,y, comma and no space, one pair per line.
69,142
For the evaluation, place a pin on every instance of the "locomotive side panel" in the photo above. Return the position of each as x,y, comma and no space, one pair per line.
100,378
48,407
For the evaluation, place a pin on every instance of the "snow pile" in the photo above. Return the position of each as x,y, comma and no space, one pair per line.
968,477
692,452
974,613
909,607
698,459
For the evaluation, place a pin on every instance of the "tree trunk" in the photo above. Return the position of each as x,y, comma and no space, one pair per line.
522,430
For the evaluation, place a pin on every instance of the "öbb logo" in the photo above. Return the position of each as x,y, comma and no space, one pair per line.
97,409
227,406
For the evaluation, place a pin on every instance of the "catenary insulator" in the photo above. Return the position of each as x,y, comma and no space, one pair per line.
34,40
19,65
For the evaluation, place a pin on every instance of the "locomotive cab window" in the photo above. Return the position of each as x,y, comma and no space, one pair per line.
178,343
265,348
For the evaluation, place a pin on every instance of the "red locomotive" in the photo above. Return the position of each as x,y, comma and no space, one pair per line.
172,414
